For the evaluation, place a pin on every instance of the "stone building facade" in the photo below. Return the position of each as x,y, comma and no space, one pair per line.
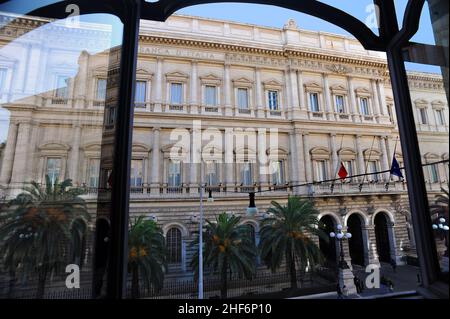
242,96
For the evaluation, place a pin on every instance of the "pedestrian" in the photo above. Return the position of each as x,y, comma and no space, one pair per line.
357,284
394,265
339,291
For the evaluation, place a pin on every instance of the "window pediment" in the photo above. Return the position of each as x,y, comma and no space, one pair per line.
372,154
421,103
313,86
54,149
320,153
177,76
338,89
243,82
438,104
347,153
272,84
277,152
363,91
431,156
211,79
175,152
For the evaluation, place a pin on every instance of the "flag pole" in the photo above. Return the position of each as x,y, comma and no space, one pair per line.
367,165
337,164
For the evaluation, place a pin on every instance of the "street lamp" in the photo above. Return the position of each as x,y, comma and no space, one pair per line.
442,229
340,236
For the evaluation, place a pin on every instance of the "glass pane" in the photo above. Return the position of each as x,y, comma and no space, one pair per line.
55,160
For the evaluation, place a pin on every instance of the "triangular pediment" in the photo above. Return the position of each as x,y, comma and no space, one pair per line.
177,74
272,82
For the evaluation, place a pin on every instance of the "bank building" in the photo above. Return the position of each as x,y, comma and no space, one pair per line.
304,101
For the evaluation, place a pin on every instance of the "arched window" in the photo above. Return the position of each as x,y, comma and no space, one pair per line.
173,239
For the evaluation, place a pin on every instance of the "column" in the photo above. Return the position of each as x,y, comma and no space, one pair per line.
293,160
8,158
360,156
155,176
194,104
326,88
263,162
352,101
300,156
382,97
301,96
294,92
376,100
384,157
259,94
158,85
308,164
20,155
229,159
195,157
75,155
227,89
334,155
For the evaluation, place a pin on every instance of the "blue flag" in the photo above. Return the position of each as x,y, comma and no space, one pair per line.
395,168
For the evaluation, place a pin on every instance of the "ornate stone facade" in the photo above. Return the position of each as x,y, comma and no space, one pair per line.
328,99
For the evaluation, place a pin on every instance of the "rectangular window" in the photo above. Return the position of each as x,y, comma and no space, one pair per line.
94,172
3,72
277,173
176,93
210,95
314,102
440,117
247,174
101,90
53,169
373,168
364,106
174,174
110,114
340,105
273,100
434,173
140,94
349,167
321,170
62,83
423,116
389,110
211,173
136,174
242,97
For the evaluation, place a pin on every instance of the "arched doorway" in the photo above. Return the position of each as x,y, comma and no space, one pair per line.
356,243
328,249
382,238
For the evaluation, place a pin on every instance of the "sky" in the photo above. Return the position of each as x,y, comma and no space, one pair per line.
273,16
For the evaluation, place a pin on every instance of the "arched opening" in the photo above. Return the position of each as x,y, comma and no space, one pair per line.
382,237
174,245
328,248
356,243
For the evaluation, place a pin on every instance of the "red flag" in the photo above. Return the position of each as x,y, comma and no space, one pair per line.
110,179
342,171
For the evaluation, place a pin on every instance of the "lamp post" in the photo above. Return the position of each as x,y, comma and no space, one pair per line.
442,229
345,275
340,236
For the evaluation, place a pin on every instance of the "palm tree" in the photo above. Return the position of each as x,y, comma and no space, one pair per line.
287,234
147,255
42,230
440,206
228,249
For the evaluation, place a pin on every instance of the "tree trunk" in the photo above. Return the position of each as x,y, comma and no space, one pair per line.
292,270
223,280
42,278
135,294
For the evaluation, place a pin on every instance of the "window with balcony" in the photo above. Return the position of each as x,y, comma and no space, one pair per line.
174,245
273,100
176,93
94,172
210,95
277,173
212,177
140,96
321,170
364,106
373,168
62,83
340,104
246,174
314,102
242,99
440,117
53,170
349,167
423,115
136,174
434,173
174,171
